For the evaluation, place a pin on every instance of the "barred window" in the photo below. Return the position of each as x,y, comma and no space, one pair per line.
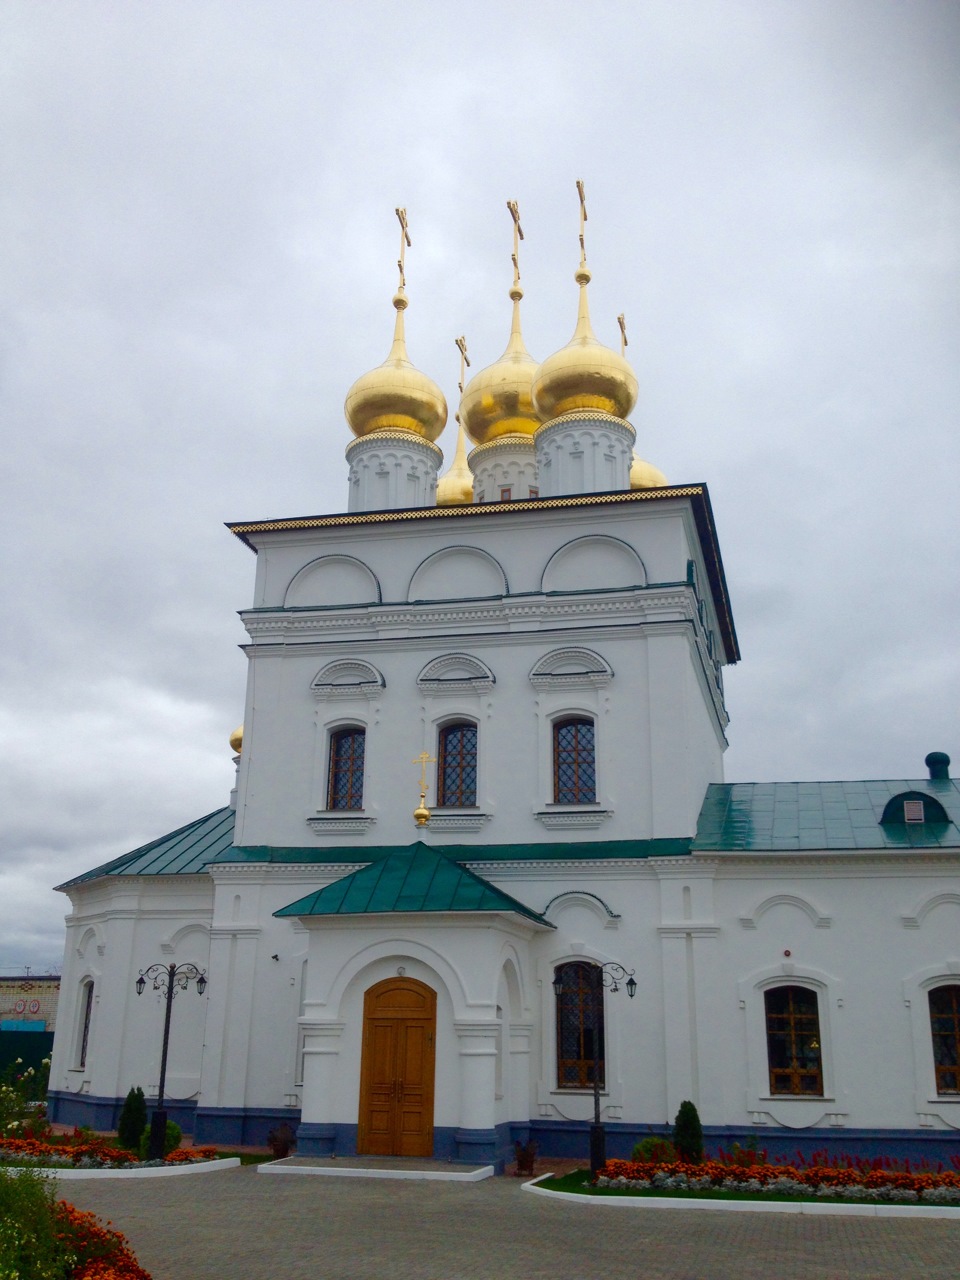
457,765
793,1041
580,1042
574,763
945,1029
345,788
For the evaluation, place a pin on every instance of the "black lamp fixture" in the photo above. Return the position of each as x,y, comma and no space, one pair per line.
609,975
169,979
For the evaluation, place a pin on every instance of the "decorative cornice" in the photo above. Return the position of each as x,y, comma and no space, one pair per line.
571,818
513,443
464,821
365,444
586,415
340,824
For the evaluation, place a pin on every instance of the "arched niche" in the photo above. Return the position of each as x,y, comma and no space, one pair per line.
595,562
458,573
347,678
332,581
573,667
455,673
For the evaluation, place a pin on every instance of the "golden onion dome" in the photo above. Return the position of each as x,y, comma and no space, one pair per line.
396,396
455,489
236,740
584,374
498,401
644,475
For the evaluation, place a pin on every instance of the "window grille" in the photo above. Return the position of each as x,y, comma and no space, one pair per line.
945,1029
580,1038
574,762
793,1041
457,766
345,789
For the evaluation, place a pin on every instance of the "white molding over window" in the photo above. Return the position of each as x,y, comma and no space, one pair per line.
816,917
920,912
571,668
455,673
347,678
340,823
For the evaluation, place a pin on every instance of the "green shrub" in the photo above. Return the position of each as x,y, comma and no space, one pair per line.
655,1150
687,1134
133,1120
29,1245
170,1143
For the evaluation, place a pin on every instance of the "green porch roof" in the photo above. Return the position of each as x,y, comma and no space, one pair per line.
418,878
183,852
765,816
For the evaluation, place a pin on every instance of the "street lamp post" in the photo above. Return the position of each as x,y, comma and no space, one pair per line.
608,975
168,978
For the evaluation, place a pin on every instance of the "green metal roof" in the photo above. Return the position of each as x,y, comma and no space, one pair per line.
183,852
418,878
578,850
761,816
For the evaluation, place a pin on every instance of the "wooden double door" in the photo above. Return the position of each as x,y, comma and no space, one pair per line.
397,1069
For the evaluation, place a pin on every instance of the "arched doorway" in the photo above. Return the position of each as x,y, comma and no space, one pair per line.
397,1069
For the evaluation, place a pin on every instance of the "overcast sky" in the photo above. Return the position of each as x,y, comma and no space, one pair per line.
196,212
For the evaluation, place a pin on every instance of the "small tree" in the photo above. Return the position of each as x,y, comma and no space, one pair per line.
170,1142
688,1134
133,1119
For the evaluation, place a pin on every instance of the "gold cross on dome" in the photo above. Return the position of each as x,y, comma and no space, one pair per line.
461,345
405,243
583,220
517,237
423,759
622,322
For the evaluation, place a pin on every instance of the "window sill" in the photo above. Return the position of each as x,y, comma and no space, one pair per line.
944,1099
457,819
340,822
572,816
796,1097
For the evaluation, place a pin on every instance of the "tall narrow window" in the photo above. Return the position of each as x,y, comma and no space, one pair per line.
945,1029
345,790
574,763
580,1045
793,1041
86,1013
457,766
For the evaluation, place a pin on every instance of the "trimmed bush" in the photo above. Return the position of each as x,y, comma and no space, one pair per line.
688,1134
133,1120
170,1142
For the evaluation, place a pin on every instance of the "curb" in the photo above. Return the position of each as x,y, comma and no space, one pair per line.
171,1171
752,1206
414,1175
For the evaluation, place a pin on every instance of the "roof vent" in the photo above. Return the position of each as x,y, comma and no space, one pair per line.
938,762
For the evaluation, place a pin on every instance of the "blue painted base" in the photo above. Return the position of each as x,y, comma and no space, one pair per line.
460,1146
103,1114
571,1139
241,1126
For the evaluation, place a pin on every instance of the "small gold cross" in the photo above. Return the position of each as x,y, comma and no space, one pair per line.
622,322
405,243
517,237
461,345
583,220
423,759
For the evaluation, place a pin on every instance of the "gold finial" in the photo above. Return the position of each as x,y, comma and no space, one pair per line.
583,220
422,813
622,322
405,243
516,293
236,740
461,345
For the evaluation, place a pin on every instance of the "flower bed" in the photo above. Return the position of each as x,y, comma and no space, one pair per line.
843,1178
86,1151
100,1253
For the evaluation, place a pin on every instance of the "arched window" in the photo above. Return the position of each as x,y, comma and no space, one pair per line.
86,1013
574,762
793,1041
945,1029
345,789
457,766
580,1044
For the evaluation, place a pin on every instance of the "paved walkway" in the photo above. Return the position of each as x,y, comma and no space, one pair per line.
244,1226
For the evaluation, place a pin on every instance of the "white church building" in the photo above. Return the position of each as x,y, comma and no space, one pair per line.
543,634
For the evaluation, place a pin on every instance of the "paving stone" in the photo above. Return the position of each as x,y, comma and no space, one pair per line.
241,1225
